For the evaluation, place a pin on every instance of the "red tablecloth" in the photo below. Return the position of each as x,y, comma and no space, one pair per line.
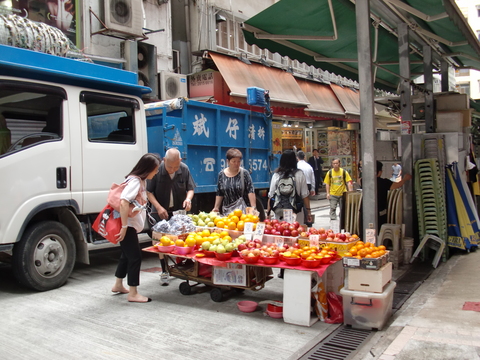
238,260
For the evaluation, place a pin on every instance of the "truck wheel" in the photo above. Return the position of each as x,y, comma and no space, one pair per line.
45,256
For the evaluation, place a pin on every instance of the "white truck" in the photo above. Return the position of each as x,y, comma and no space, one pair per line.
68,130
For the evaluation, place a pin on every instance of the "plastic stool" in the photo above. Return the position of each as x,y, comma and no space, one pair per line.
392,232
435,243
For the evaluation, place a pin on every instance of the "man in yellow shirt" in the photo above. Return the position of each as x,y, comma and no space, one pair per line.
336,183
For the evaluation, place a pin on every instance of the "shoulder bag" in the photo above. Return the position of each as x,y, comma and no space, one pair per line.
136,205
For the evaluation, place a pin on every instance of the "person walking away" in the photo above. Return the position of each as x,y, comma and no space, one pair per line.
316,163
288,189
131,257
337,181
233,192
383,186
170,190
396,172
309,177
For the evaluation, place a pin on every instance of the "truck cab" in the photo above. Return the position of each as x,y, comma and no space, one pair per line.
68,130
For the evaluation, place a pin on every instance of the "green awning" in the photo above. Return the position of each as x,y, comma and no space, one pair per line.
306,31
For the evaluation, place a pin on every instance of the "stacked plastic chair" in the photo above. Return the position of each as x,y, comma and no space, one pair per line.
431,209
353,204
392,233
395,206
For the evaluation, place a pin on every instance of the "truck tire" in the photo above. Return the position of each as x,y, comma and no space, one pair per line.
45,256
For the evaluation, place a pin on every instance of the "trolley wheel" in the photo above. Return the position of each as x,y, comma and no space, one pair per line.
216,295
185,288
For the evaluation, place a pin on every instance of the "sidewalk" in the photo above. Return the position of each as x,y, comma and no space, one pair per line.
432,323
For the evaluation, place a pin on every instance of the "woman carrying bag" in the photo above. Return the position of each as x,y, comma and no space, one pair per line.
234,187
131,258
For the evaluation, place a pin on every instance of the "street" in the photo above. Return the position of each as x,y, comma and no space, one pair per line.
83,319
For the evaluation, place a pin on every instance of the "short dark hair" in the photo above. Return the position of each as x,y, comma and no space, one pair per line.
233,153
379,166
301,155
315,150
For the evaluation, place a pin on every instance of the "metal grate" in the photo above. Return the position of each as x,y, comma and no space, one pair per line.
342,344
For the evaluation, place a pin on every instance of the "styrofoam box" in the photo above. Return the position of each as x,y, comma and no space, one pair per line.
369,280
366,310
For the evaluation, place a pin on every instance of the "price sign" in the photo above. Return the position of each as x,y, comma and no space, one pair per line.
370,236
289,216
248,228
278,240
314,240
258,234
335,226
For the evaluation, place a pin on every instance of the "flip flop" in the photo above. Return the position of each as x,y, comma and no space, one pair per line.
134,301
120,292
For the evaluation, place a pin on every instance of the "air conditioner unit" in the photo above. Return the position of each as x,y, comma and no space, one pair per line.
172,85
124,17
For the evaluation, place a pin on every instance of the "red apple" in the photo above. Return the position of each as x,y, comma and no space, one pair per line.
323,236
291,227
242,247
287,232
294,233
342,237
301,229
321,231
268,232
296,224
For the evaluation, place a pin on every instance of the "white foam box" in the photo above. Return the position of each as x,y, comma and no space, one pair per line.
366,310
368,280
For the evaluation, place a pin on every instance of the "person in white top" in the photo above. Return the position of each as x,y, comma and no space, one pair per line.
309,177
131,258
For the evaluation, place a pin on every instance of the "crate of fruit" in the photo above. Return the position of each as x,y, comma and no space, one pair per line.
367,263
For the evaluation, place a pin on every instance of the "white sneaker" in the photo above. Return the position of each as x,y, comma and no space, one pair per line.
164,279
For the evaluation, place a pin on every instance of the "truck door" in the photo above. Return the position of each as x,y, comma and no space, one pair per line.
34,153
113,140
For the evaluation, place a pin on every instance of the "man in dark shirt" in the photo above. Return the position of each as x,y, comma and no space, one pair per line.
383,186
171,189
316,163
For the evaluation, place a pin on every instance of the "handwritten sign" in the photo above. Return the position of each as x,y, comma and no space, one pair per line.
314,240
259,230
289,216
370,236
278,240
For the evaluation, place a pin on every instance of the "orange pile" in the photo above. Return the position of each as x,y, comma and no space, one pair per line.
235,220
366,250
309,253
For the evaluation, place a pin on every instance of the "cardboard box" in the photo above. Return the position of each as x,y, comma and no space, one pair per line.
368,280
366,263
451,102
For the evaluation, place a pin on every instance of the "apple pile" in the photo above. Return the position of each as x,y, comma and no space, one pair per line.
283,228
329,235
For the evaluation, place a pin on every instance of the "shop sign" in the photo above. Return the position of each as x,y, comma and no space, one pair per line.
406,127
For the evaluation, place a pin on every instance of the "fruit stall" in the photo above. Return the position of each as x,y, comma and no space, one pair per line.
237,252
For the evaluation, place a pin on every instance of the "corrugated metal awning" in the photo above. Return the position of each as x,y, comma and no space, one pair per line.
239,76
322,98
349,99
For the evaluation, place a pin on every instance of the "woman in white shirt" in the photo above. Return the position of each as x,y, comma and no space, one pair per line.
131,258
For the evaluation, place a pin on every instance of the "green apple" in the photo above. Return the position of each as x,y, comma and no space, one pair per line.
230,247
195,218
200,223
221,249
206,245
216,242
213,248
211,224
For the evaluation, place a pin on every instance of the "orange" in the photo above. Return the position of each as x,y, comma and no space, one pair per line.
237,212
359,242
240,225
255,218
235,219
362,252
231,214
232,225
353,252
179,242
243,217
190,242
223,233
348,254
216,220
220,224
382,247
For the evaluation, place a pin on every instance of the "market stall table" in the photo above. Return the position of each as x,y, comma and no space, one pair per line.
296,288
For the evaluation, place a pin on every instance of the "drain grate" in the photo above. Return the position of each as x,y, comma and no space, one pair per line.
342,344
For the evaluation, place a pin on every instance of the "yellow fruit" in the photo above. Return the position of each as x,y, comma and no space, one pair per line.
190,242
234,219
179,242
240,225
237,212
224,233
220,224
232,225
200,255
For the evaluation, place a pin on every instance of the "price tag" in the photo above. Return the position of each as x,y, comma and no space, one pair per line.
258,234
335,226
314,240
278,240
370,236
289,216
248,228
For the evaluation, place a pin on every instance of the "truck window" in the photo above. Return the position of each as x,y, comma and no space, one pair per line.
110,118
30,114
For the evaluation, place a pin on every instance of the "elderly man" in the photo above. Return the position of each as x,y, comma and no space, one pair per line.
171,189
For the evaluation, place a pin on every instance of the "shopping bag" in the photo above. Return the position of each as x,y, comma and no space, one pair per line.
113,199
335,309
107,225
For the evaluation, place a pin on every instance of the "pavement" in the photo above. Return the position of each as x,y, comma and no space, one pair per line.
439,321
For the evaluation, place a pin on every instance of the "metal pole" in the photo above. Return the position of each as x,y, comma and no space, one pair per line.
406,138
369,182
428,77
445,76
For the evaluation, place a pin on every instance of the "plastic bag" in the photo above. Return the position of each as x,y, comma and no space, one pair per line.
335,309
